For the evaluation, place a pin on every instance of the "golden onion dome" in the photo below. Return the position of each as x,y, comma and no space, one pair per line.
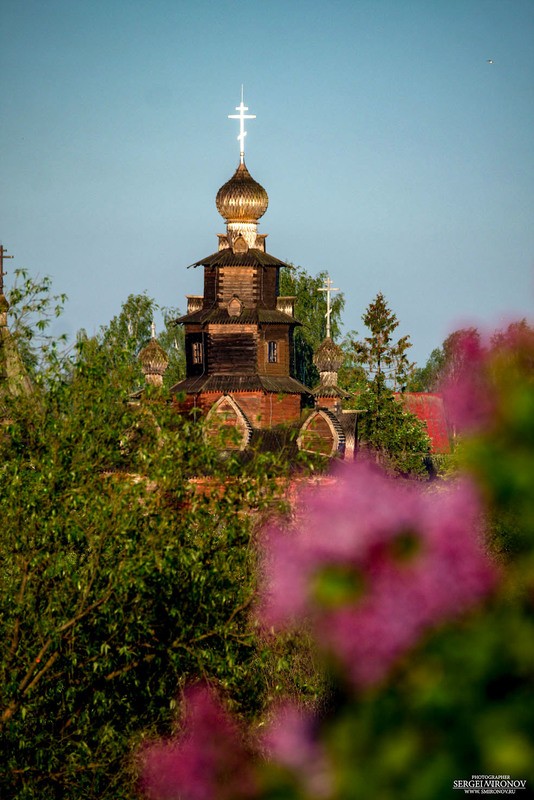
153,358
242,199
328,357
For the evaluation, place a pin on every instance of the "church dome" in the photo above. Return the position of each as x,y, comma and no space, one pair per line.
242,199
153,358
328,357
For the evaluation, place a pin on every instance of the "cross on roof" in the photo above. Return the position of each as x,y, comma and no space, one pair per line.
328,288
242,132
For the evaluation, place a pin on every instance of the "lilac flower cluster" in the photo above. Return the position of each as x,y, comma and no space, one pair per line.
483,373
208,760
290,740
373,563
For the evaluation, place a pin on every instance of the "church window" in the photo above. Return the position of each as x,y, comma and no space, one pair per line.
197,353
272,352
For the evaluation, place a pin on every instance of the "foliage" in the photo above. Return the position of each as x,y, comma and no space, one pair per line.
384,360
120,577
33,307
445,363
491,403
130,330
352,376
172,339
427,635
396,437
427,378
310,310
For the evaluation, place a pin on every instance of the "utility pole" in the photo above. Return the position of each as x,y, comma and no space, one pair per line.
3,254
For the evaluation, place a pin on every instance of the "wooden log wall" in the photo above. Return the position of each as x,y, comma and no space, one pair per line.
210,286
232,352
191,338
242,281
280,335
269,286
253,285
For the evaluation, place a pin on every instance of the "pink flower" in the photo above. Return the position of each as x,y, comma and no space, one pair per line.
465,388
208,760
482,371
373,564
290,741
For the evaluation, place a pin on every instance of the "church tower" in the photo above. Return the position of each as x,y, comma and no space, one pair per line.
239,333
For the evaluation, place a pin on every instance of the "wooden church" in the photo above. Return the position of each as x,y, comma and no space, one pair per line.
239,339
239,333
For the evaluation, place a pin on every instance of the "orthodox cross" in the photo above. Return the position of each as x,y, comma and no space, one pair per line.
242,132
3,254
328,288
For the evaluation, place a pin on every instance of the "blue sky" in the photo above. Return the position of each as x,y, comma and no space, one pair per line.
395,156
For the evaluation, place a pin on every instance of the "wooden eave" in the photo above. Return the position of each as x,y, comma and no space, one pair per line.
240,383
330,391
248,316
252,258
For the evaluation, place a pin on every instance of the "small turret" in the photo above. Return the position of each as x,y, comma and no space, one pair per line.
328,359
153,360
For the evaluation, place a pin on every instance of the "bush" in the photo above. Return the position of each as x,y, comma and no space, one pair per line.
425,622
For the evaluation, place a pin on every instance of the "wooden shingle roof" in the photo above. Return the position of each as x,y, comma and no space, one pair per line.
251,258
240,383
220,316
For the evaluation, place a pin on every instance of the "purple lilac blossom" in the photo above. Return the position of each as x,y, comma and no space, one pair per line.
290,741
208,760
466,393
361,525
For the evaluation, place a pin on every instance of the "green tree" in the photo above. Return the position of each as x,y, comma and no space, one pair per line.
32,309
120,579
131,329
445,363
310,310
426,379
397,438
352,376
172,339
383,358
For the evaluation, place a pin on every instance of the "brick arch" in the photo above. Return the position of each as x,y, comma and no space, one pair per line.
225,413
321,433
